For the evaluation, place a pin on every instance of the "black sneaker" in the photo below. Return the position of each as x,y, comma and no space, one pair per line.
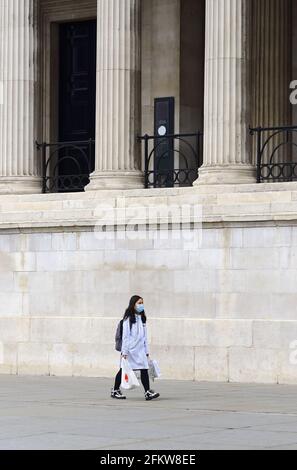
117,394
151,395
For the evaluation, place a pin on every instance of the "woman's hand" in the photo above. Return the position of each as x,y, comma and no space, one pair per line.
124,356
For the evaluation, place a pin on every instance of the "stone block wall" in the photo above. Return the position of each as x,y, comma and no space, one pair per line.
221,302
219,284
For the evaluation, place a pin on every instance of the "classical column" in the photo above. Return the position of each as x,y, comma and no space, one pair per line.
227,156
118,96
272,67
20,167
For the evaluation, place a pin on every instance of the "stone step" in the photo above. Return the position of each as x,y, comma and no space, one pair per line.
212,203
207,195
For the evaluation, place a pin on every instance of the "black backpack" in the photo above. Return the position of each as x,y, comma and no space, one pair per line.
119,336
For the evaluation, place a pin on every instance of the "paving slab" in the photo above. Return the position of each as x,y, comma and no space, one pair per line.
56,413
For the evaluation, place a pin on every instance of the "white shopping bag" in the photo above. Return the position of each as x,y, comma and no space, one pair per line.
129,379
154,370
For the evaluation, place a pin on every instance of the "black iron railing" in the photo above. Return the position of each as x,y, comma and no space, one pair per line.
67,165
276,150
172,160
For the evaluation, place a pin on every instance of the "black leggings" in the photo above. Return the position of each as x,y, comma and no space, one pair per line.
144,379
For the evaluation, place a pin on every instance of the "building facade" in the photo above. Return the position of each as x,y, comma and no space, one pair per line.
148,147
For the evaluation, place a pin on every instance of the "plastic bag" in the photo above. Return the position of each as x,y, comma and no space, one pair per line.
154,370
129,379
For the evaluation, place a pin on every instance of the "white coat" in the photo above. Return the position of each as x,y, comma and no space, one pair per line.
134,343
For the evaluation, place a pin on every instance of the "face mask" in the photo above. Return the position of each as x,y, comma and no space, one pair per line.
139,308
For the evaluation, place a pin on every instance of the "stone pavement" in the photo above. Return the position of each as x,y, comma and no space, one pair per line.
77,413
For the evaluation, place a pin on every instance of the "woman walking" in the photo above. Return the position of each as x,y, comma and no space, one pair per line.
135,348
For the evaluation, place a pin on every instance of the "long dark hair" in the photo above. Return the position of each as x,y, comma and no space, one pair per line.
130,311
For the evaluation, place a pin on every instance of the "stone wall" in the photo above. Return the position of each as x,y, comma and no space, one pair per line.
220,295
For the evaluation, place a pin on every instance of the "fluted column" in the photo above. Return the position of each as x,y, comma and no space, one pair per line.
20,167
118,96
272,66
227,156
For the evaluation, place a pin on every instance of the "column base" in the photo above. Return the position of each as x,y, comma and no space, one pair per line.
20,185
115,180
226,174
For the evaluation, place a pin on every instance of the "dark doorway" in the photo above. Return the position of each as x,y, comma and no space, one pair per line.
77,103
164,146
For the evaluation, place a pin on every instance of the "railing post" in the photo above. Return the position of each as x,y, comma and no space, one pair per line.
197,150
171,180
146,157
44,168
90,155
290,178
259,136
43,164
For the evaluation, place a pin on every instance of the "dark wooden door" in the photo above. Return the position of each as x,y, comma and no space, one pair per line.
77,95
